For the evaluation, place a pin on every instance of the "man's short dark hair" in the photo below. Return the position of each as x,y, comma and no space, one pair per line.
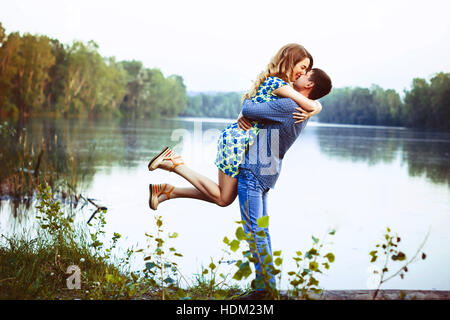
322,84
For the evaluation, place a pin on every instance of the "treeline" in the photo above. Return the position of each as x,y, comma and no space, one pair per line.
426,105
42,75
218,105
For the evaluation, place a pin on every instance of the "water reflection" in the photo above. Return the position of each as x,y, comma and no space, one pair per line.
68,152
424,153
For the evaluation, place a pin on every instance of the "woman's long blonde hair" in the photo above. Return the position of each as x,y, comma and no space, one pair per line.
281,66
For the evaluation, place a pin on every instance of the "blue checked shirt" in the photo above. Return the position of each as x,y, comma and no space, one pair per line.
279,132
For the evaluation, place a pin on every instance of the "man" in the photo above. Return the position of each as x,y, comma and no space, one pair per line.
262,166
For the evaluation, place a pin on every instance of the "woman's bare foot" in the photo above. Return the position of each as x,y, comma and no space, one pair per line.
159,193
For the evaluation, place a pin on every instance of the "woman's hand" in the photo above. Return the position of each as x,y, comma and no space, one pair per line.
303,115
244,123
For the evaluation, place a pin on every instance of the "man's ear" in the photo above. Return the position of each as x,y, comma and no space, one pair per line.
309,85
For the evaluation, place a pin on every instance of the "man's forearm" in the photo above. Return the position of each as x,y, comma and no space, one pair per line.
269,111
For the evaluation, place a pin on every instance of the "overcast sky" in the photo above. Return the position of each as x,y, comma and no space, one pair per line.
223,45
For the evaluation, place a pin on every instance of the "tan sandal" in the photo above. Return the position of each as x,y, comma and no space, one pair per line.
155,191
165,154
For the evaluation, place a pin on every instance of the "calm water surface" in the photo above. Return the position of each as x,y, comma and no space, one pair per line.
357,180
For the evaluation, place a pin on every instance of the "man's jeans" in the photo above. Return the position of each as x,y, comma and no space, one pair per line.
253,205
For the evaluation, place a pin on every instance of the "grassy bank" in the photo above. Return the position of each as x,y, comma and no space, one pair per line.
46,266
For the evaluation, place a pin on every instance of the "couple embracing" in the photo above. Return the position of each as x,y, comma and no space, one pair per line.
250,152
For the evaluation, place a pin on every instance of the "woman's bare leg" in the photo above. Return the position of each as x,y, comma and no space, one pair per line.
222,194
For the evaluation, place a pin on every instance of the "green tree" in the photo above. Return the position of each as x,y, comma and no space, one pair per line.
25,64
417,105
2,33
91,84
440,100
57,74
129,104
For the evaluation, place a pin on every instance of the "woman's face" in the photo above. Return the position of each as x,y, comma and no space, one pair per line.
300,69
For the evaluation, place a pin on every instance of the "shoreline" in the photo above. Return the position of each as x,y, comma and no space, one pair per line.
388,294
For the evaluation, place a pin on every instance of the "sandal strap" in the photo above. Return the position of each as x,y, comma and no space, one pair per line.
167,193
173,157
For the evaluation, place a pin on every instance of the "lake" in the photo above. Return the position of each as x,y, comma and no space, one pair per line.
358,180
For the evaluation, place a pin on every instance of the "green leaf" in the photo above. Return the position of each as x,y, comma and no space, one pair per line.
295,283
313,282
173,235
291,273
261,234
240,234
212,266
267,259
169,280
245,269
238,275
234,245
263,222
275,272
315,239
332,232
247,254
226,240
150,265
277,253
278,261
313,265
330,257
299,253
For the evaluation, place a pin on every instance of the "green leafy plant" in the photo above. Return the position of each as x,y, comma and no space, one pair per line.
251,255
51,217
212,283
309,265
389,248
161,270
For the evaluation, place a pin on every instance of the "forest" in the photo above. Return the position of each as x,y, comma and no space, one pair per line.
426,105
40,75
